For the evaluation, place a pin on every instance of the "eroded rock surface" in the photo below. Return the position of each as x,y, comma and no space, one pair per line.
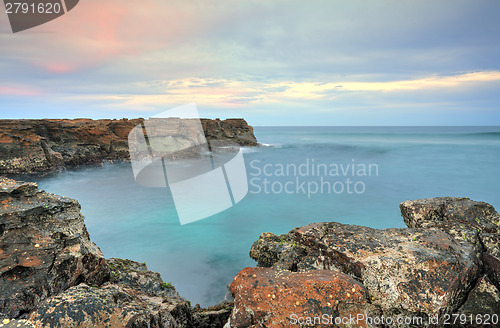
478,223
268,297
446,262
134,297
31,146
44,247
483,300
409,270
53,274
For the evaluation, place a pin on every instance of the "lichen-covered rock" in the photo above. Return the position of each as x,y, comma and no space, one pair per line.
475,222
136,276
31,146
109,306
483,300
14,323
404,270
280,252
134,297
44,247
268,297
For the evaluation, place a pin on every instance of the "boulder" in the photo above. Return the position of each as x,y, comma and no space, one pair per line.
107,306
415,271
478,223
136,276
212,317
134,297
269,297
482,302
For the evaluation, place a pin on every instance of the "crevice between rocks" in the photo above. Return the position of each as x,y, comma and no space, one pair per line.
481,273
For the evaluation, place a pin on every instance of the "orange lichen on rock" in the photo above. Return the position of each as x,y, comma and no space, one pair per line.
276,298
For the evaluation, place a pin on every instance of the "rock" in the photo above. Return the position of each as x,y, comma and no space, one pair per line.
404,270
32,146
44,247
213,317
52,274
234,129
134,297
22,323
268,297
136,276
482,301
475,222
108,306
277,251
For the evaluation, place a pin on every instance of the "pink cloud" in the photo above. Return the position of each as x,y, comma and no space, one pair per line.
59,68
17,91
97,31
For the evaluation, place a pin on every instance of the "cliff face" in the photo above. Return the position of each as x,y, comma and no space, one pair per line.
44,247
31,146
52,274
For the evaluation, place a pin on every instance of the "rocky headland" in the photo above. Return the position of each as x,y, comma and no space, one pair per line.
445,263
48,145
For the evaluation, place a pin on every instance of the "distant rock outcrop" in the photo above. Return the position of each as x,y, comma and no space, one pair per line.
32,146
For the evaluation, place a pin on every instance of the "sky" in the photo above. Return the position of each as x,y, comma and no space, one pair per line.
271,62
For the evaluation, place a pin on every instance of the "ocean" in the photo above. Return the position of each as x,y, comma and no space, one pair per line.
300,175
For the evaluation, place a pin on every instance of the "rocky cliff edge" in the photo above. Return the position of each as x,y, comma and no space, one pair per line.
34,146
53,275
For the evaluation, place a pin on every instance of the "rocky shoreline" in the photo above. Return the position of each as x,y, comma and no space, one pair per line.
49,145
53,275
445,263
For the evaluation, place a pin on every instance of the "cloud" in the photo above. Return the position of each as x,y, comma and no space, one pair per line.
19,91
124,57
224,93
433,82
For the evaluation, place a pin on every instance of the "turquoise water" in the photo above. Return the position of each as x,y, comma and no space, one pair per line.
201,258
